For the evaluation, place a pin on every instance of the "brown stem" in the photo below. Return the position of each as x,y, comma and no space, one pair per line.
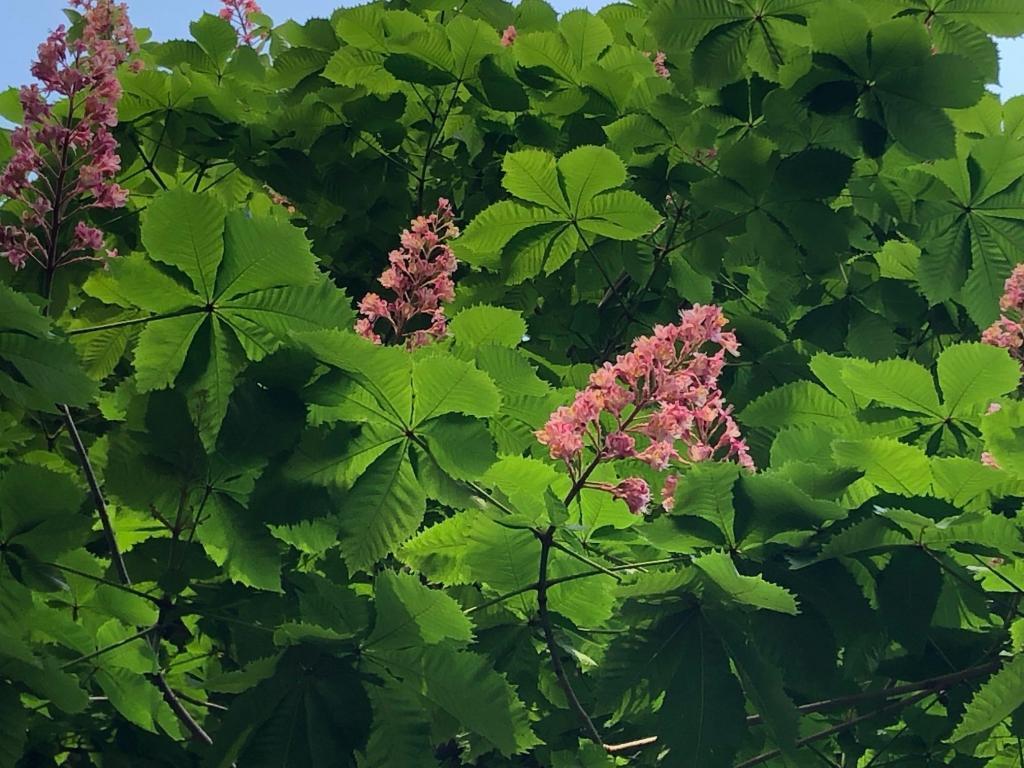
549,639
625,746
97,497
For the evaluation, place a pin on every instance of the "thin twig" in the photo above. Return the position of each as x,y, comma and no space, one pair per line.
839,728
572,577
107,648
841,702
584,559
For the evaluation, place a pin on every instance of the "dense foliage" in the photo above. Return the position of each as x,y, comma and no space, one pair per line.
234,532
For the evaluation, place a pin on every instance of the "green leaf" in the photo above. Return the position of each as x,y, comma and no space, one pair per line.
15,719
209,394
38,370
799,403
891,465
622,215
531,175
908,593
973,375
39,511
684,24
899,383
761,680
587,171
409,614
706,491
996,700
161,350
477,326
586,35
240,544
262,320
702,716
444,384
734,588
462,447
135,282
263,253
464,685
525,482
383,509
185,230
400,733
216,35
492,228
1003,432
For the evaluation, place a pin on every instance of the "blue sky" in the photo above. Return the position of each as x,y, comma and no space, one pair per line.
27,22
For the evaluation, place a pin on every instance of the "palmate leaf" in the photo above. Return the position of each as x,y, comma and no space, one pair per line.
255,281
531,175
312,712
493,227
908,593
799,403
382,510
40,511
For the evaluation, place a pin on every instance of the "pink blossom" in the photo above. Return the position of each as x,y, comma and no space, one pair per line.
668,492
620,445
660,68
1008,331
420,276
659,403
989,460
240,13
509,35
63,166
635,492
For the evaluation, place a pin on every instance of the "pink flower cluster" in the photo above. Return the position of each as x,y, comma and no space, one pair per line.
240,13
1008,330
65,160
660,63
509,35
420,276
660,403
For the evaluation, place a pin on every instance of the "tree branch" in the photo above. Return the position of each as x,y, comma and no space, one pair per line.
549,639
115,555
